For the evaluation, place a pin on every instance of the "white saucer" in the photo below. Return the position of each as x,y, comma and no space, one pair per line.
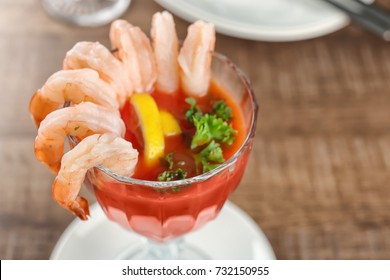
263,20
232,235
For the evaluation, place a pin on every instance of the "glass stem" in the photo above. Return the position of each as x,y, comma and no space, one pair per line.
169,250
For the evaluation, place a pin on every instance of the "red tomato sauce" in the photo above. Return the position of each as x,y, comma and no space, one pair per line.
163,214
180,145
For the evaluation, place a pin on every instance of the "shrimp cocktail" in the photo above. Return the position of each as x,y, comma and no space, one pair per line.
160,132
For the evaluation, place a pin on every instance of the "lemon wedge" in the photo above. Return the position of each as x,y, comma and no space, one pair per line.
169,124
150,121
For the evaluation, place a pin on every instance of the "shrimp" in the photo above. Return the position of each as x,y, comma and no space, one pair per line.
195,58
135,52
108,150
166,49
81,120
71,85
99,58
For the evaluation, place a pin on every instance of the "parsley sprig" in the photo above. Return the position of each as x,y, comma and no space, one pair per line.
170,174
193,112
222,110
210,127
211,130
210,157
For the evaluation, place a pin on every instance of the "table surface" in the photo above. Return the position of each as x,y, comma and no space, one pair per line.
318,179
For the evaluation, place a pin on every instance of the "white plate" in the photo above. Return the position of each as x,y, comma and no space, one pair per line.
264,20
232,235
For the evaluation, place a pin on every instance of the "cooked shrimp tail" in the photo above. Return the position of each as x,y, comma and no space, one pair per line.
97,57
81,120
109,150
195,58
62,194
166,49
135,52
74,86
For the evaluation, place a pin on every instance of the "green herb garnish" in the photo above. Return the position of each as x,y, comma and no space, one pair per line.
210,157
169,159
193,112
210,127
222,110
172,175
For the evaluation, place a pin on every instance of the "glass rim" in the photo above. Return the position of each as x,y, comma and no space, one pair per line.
202,177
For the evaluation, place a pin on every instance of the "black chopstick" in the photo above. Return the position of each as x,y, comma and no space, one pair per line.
371,17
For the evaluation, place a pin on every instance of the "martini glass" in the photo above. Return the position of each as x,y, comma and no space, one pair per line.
164,212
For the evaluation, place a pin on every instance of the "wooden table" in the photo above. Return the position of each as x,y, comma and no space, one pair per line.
318,179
